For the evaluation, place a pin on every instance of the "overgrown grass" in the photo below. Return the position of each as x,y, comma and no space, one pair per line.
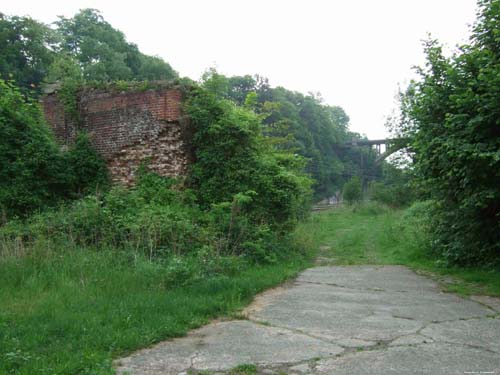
375,234
75,312
72,310
94,279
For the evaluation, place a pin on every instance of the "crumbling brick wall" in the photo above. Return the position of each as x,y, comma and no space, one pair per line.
129,128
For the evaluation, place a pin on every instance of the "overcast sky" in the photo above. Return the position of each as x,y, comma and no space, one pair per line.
354,52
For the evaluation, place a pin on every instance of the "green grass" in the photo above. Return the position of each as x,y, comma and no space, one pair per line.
75,312
373,234
244,369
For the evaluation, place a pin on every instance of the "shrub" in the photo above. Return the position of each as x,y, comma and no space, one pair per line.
34,172
397,195
233,158
30,174
451,116
352,191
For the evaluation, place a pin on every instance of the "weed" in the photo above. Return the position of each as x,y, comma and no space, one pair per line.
244,369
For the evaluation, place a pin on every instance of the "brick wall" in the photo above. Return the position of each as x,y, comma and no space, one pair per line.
128,128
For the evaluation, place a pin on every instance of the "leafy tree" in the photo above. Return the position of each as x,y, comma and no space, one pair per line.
352,191
26,51
452,116
233,160
100,49
394,189
153,68
303,125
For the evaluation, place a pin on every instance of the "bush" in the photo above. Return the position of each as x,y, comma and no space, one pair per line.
451,116
155,219
417,224
30,175
352,191
234,160
396,195
34,172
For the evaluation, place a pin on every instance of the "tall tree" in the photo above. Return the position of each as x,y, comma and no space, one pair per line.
103,52
26,51
452,115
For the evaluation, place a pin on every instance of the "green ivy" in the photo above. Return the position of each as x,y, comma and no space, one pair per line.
34,172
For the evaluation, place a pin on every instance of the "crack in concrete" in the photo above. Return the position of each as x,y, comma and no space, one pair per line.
485,304
297,331
477,347
347,287
352,345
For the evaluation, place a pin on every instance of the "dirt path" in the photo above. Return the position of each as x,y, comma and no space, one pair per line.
352,320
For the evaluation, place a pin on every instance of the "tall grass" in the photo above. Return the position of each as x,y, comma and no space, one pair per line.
87,282
371,233
74,312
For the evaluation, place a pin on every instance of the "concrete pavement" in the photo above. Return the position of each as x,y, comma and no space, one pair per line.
353,320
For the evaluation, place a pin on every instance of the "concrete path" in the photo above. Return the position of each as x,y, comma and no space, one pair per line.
352,320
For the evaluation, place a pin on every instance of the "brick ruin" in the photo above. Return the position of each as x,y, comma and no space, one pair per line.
128,128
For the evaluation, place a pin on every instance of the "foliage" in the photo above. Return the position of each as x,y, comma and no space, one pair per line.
32,53
86,169
394,189
451,115
372,233
352,191
267,186
29,157
67,74
301,124
104,54
157,219
26,51
34,173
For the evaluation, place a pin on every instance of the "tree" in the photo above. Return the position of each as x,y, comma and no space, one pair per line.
304,125
230,147
26,51
34,172
452,117
103,52
352,191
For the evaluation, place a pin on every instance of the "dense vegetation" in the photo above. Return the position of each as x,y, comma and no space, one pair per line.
373,233
34,172
92,279
85,45
90,271
77,255
304,125
452,116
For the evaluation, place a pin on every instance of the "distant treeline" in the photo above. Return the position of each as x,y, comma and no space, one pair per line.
305,125
85,45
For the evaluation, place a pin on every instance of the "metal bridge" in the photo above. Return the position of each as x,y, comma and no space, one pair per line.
391,145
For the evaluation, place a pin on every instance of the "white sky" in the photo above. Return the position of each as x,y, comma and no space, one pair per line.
354,52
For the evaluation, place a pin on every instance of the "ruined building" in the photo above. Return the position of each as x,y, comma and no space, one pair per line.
128,128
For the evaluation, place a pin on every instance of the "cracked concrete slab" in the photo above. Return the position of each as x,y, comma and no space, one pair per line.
389,278
426,359
356,319
491,302
224,345
484,333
